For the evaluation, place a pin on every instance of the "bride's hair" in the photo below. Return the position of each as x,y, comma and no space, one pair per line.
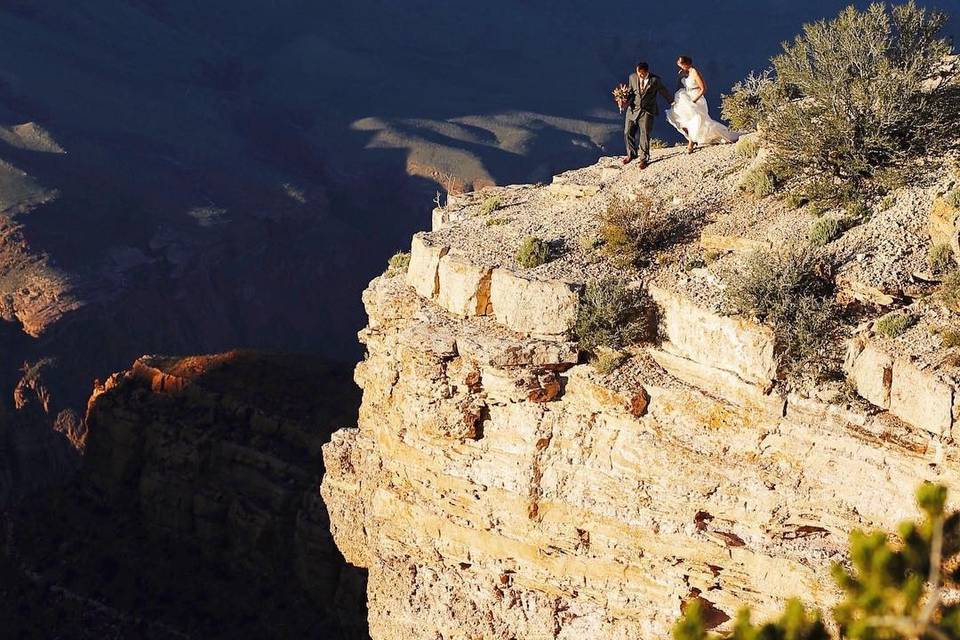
686,60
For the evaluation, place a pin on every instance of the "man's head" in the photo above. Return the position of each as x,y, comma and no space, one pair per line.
643,69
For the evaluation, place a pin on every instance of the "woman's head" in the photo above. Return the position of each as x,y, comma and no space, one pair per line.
684,62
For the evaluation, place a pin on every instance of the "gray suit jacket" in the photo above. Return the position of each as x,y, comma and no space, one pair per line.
645,101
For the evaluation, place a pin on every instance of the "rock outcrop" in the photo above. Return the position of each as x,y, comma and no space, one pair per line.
497,487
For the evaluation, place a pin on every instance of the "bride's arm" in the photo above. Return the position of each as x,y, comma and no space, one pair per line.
701,85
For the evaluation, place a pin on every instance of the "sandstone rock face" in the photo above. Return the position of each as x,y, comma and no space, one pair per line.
224,451
918,395
537,307
496,489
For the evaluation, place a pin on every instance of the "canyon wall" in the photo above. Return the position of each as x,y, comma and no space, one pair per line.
497,487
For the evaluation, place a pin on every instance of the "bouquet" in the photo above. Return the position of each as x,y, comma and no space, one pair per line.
622,95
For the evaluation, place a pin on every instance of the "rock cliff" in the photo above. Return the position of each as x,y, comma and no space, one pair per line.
497,486
196,512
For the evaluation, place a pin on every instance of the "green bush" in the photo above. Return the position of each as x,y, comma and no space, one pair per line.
940,258
794,201
760,181
612,316
747,147
857,211
953,198
489,205
496,222
949,338
894,324
606,362
949,292
398,264
825,230
742,107
892,589
533,252
631,230
851,99
791,291
888,201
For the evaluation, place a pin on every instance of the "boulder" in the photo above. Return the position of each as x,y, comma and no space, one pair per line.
535,307
463,288
422,274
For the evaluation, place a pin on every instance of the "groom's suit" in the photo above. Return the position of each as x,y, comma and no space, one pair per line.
641,109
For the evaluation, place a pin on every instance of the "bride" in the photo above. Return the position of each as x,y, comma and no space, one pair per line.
689,113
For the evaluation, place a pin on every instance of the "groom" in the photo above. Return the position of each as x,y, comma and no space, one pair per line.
641,108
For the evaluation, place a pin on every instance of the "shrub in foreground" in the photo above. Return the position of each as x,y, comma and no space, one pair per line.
398,263
893,589
632,229
894,324
940,258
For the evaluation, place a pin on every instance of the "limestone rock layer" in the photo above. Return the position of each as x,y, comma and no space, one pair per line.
495,488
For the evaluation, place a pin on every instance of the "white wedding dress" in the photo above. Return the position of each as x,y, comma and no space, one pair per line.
692,119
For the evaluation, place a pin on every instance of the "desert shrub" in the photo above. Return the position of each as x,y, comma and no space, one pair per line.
489,205
894,324
953,198
891,590
940,258
533,252
747,147
741,108
588,242
630,230
657,143
694,262
760,181
496,222
949,292
825,230
794,201
888,201
608,361
861,96
398,263
949,338
791,291
612,316
857,211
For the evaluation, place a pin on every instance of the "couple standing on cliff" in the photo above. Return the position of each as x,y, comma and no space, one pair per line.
688,111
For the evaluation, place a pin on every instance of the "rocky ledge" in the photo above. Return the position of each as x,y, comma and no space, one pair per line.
498,487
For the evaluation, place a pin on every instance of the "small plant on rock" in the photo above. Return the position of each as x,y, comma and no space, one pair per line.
612,316
949,292
893,589
607,361
630,230
489,205
496,222
894,324
760,182
953,198
949,338
398,264
533,252
824,231
940,258
657,143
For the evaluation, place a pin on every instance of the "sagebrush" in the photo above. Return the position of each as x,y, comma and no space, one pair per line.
853,101
533,252
632,230
791,291
613,316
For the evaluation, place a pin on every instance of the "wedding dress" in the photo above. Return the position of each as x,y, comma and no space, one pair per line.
695,117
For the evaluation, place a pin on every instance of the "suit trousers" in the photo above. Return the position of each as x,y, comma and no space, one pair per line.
636,135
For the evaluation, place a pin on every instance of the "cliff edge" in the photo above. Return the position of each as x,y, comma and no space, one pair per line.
499,486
